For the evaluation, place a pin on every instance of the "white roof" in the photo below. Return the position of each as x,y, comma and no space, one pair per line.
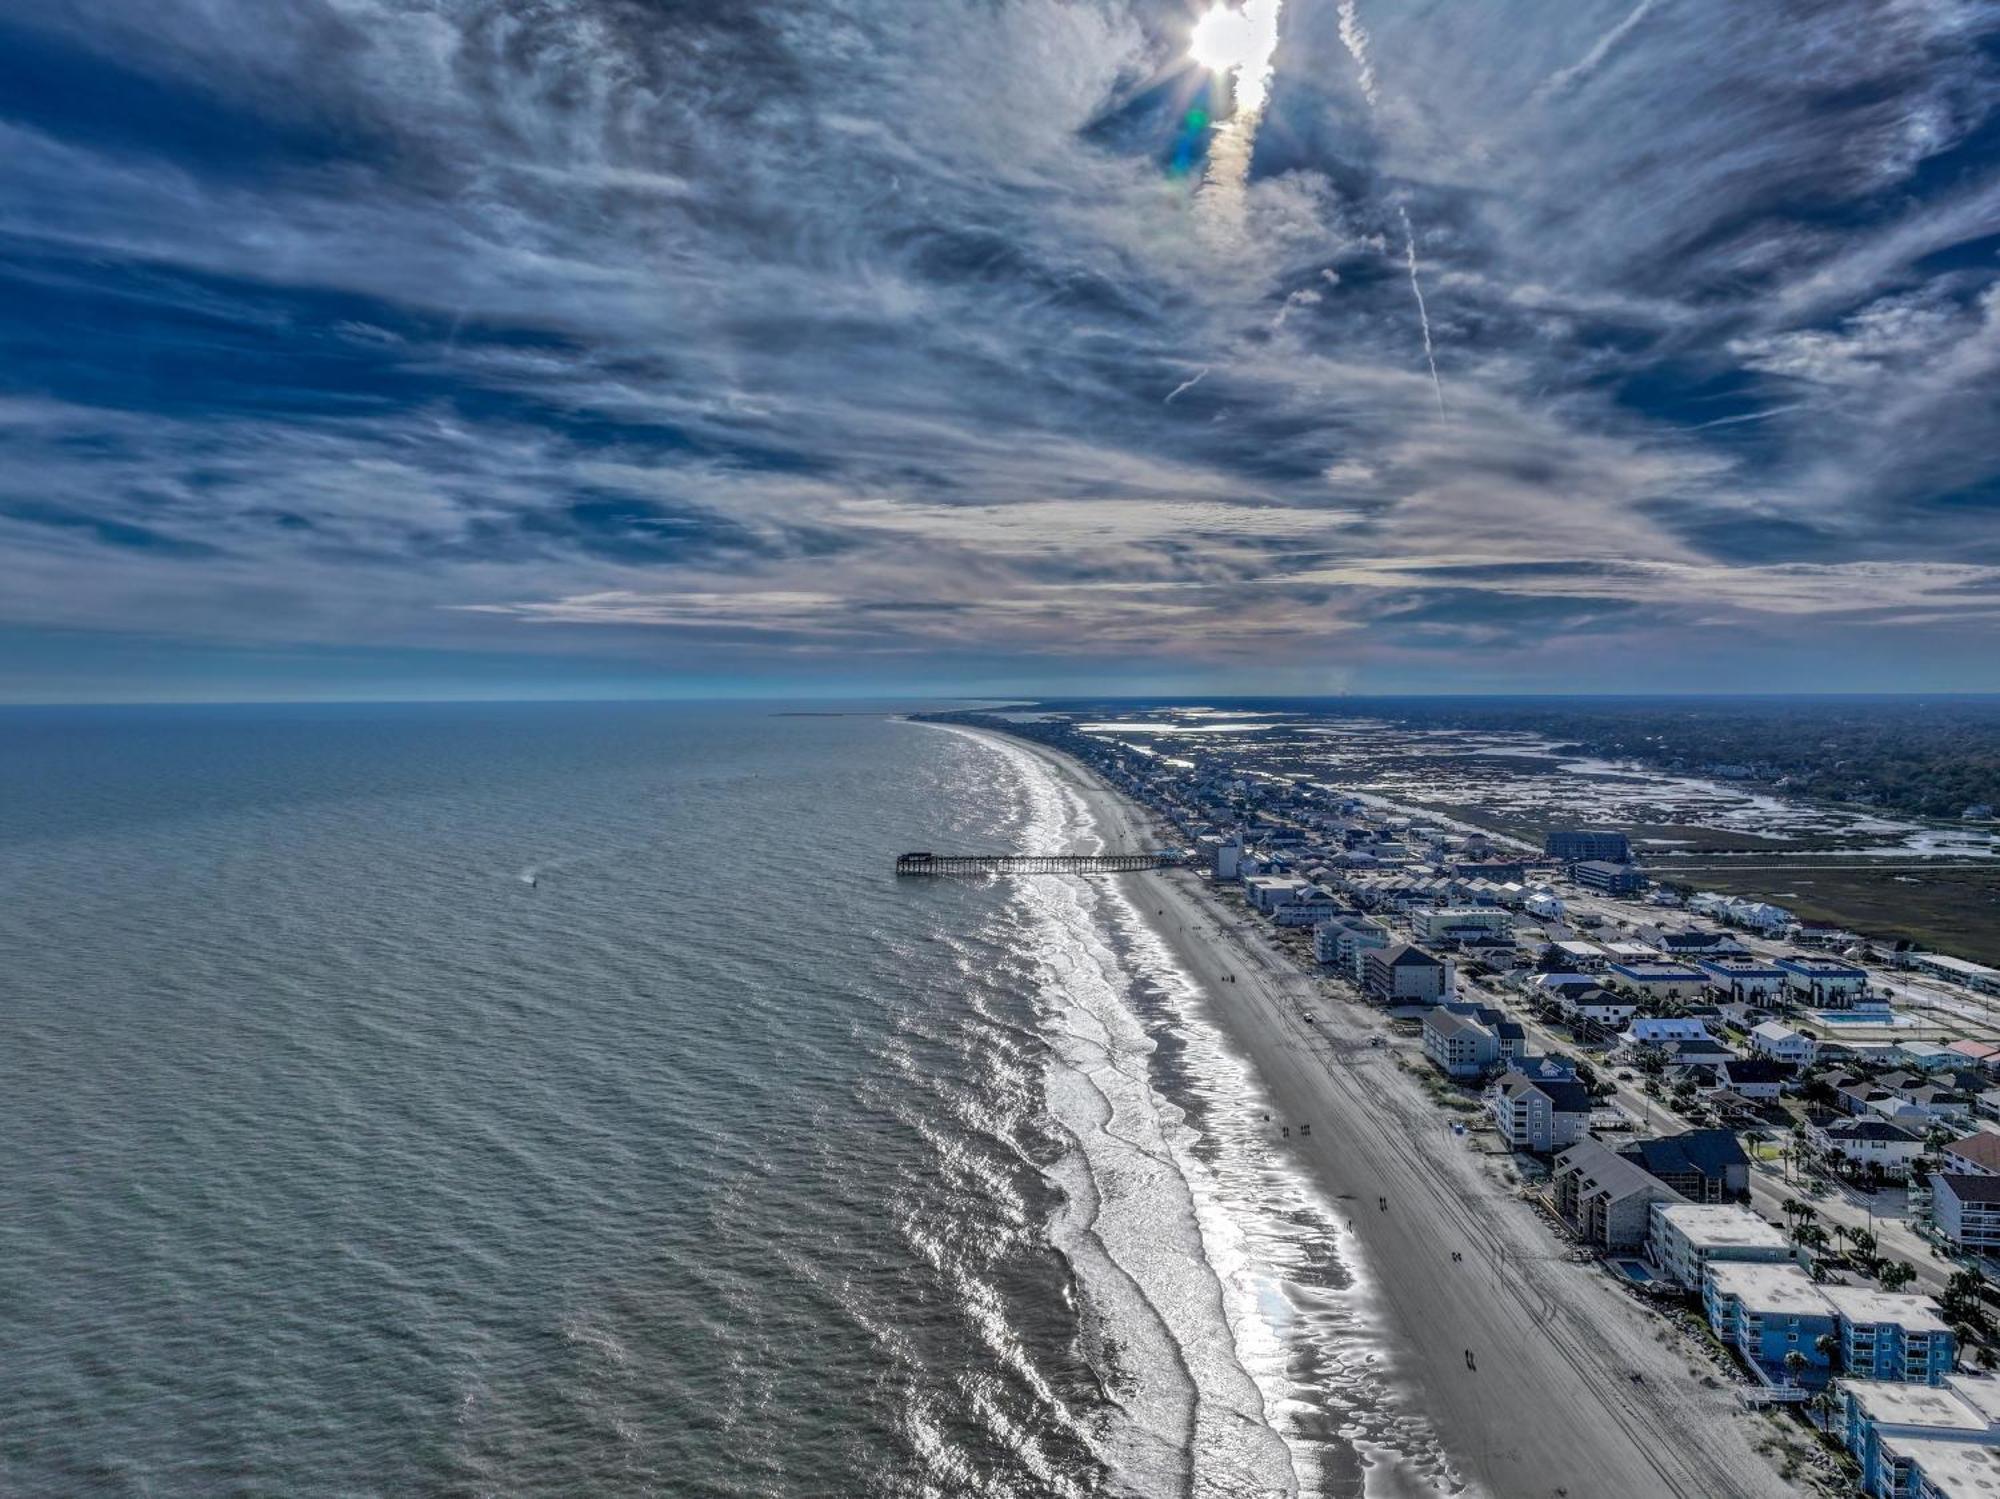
1907,1309
1962,1470
1893,1403
1722,1226
1772,1030
1781,1288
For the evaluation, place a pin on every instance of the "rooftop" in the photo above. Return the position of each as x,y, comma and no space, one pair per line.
1781,1288
1960,1469
1722,1226
1981,1147
1939,1407
1907,1309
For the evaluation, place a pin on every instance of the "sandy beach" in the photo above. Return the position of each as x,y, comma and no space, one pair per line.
1577,1390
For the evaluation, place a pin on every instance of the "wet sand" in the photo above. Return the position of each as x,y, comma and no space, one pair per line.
1577,1390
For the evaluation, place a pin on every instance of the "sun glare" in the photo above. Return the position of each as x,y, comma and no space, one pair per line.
1239,40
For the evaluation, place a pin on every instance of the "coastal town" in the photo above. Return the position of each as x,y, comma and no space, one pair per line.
1781,1136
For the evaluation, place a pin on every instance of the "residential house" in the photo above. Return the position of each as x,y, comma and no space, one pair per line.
1607,1199
1978,1154
1758,1079
1865,1142
1685,1238
1920,1441
1703,1165
1966,1210
1539,1114
1978,1054
1403,974
1781,1043
1598,1007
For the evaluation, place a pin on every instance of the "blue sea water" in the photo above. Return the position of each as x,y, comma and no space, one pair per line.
566,1100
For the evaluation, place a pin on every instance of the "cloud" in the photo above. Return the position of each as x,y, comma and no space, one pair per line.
888,329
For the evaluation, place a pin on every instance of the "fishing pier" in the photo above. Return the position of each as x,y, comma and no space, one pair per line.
981,864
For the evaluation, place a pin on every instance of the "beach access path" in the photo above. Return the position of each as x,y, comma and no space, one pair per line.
1578,1390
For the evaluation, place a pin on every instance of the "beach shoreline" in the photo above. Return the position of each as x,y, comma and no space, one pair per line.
1540,1376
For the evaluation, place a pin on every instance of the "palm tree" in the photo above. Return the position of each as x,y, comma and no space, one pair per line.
1827,1345
1895,1275
1794,1362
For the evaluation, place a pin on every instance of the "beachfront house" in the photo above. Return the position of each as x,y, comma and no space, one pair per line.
1822,983
1685,1238
1460,1045
1781,1043
1404,974
1539,1114
1605,1198
1917,1441
1966,1210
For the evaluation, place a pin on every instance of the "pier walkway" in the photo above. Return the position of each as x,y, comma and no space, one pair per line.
976,864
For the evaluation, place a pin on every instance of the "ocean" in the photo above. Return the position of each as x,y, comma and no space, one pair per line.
567,1100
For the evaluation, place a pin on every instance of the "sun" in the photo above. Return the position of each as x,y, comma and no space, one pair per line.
1239,40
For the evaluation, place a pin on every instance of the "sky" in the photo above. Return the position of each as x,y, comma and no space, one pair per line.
650,347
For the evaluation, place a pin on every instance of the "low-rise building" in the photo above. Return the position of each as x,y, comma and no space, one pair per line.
1703,1165
1607,1199
1459,923
1659,978
1539,1114
1767,1311
1574,844
1610,879
1744,979
1697,945
1685,1238
1895,1335
1916,1441
1460,1046
1404,974
1822,983
1966,1210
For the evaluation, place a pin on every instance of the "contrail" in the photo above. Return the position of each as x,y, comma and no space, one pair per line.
1186,385
1592,60
1356,40
1355,37
1423,315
